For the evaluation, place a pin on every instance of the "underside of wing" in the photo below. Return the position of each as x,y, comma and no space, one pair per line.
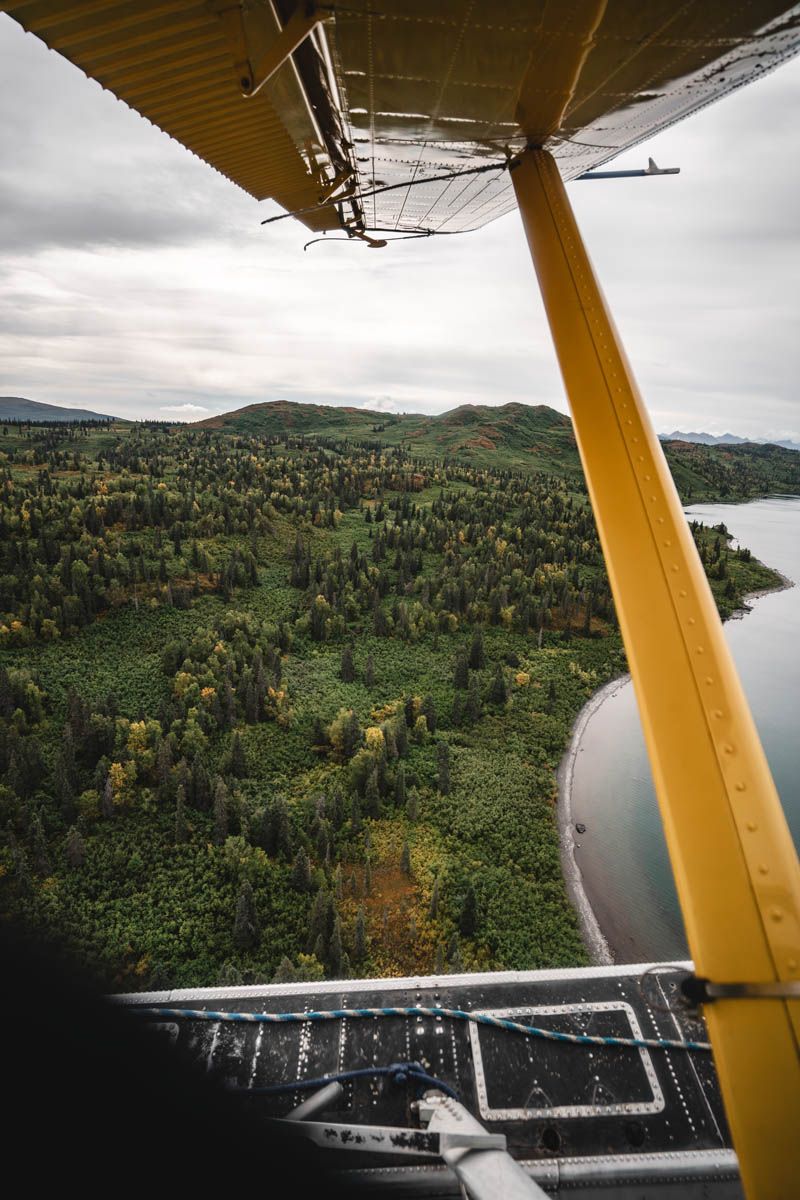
377,114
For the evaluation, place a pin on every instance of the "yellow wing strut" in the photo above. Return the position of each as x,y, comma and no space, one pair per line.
735,865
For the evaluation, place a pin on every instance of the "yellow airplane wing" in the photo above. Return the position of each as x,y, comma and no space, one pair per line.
331,103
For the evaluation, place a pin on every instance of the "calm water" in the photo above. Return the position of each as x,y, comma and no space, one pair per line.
623,856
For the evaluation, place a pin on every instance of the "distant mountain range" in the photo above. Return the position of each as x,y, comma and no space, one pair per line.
724,439
17,408
468,430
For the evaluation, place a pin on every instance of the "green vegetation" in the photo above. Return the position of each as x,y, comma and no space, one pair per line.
282,706
516,437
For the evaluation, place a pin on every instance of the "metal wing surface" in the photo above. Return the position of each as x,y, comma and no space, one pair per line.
391,94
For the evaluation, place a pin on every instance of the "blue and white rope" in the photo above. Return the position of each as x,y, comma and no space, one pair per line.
453,1014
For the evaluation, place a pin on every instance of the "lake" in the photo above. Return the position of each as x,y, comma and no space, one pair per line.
622,855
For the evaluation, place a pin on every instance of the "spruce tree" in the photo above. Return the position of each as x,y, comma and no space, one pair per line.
498,689
461,673
245,929
474,706
229,975
410,711
433,911
348,666
321,920
220,812
64,790
283,839
320,949
468,917
428,711
360,945
454,960
369,671
107,806
238,758
164,769
286,972
400,794
336,951
337,883
181,828
75,849
40,855
201,785
372,799
22,873
300,878
401,738
443,768
405,858
477,654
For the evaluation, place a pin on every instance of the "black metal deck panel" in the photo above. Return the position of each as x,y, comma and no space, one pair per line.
582,1119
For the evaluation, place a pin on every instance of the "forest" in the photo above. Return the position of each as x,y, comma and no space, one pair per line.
289,706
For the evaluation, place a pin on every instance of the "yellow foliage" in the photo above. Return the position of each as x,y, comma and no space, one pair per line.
374,738
385,711
123,777
137,738
522,678
116,773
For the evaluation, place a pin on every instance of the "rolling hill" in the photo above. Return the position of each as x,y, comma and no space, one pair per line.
17,408
515,437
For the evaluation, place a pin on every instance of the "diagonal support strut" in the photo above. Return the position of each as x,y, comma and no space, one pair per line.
734,862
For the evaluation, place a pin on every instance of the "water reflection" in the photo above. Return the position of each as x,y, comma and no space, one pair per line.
622,855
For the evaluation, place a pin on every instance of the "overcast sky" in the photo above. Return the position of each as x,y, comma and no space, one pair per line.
136,281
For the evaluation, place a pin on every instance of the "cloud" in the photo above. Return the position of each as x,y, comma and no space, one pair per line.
135,279
184,408
382,404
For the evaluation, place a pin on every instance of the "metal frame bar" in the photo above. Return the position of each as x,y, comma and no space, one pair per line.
252,73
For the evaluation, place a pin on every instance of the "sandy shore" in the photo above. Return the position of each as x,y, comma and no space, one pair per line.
592,934
594,939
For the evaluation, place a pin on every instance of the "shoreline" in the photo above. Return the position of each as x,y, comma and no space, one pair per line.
597,941
594,938
744,608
